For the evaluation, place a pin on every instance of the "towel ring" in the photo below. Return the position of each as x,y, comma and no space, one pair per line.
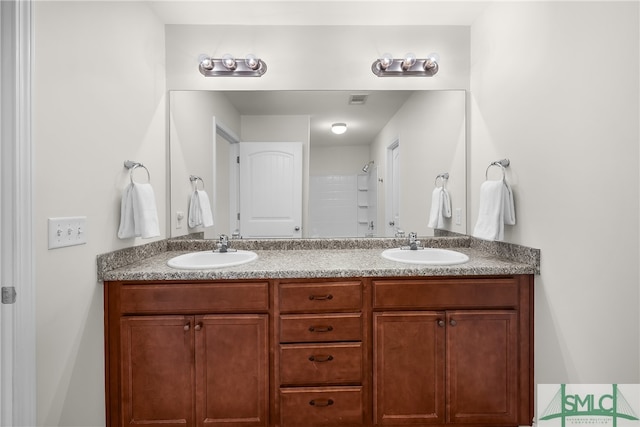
132,166
503,164
444,177
194,178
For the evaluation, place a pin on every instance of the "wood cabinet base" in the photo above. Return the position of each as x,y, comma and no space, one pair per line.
356,352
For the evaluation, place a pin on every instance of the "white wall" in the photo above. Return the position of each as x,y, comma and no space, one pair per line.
99,99
316,57
338,159
431,129
555,88
192,121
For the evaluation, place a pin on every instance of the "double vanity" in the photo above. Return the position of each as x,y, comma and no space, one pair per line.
320,333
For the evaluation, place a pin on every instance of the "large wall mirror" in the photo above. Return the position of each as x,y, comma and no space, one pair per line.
373,180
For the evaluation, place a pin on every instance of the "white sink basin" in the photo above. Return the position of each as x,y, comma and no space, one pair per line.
209,259
426,256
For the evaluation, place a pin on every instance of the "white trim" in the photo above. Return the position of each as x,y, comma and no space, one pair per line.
389,230
17,216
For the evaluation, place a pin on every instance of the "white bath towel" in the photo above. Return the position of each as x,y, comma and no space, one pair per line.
200,210
496,210
440,207
127,226
138,212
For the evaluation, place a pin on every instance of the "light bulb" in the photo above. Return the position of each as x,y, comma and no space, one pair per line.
229,62
206,62
408,61
385,61
252,62
431,63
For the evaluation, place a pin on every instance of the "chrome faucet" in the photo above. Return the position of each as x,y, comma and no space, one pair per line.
223,243
414,243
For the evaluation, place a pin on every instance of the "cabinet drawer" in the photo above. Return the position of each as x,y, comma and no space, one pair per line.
320,297
320,327
314,407
320,364
195,297
445,293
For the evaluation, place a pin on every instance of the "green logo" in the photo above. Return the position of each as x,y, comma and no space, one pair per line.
583,406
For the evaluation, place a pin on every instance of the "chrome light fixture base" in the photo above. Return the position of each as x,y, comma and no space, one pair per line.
385,67
221,67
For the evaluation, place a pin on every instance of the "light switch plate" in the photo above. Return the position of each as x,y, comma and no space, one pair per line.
458,216
67,231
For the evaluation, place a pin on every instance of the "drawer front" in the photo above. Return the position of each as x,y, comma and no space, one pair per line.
320,297
315,407
320,364
445,293
320,327
195,298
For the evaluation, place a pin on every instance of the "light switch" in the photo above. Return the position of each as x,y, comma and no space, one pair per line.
67,231
458,216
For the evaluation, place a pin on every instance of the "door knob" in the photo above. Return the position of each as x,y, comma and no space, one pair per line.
297,228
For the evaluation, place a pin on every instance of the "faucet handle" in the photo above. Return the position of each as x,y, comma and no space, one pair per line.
413,236
224,239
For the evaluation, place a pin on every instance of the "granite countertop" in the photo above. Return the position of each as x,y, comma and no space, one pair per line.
338,258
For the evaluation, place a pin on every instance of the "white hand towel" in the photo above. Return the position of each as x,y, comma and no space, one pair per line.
509,206
496,209
145,213
446,203
200,210
127,225
205,208
440,208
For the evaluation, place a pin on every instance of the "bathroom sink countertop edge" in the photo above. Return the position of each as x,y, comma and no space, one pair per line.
318,263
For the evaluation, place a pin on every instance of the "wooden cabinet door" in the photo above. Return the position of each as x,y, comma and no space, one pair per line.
156,371
409,368
482,366
232,370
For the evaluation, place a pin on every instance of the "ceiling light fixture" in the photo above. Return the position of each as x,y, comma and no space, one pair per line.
339,128
386,66
250,66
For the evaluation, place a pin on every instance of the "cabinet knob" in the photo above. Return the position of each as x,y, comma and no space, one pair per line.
453,322
321,402
198,326
441,323
187,326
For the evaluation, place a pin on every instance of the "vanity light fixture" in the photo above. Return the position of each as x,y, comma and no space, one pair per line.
409,65
339,128
250,66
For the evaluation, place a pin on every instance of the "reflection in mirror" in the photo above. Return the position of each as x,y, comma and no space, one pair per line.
374,180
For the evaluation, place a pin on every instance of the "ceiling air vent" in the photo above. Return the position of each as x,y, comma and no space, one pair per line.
358,99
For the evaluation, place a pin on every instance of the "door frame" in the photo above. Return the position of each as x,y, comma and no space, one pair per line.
18,332
390,230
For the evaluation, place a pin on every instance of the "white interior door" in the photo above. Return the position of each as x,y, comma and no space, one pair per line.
271,189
